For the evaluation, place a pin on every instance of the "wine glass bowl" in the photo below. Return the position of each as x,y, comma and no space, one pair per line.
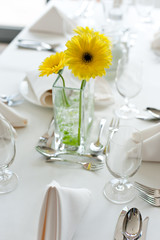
123,159
8,179
129,84
144,9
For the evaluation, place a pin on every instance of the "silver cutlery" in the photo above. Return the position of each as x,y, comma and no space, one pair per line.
113,127
154,201
35,45
47,138
132,224
118,230
98,146
154,112
144,228
147,118
11,100
148,190
86,165
52,153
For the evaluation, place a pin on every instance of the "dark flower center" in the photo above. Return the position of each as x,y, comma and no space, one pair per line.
87,57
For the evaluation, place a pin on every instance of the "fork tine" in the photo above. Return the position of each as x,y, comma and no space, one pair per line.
118,122
152,200
145,198
144,188
111,122
97,166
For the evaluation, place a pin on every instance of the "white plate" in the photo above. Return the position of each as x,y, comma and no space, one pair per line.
28,93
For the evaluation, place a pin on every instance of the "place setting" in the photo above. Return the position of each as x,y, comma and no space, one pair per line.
82,145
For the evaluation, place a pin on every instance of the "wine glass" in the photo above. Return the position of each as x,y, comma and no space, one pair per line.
8,179
144,9
123,158
129,84
114,10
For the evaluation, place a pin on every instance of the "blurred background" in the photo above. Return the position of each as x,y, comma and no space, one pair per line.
16,14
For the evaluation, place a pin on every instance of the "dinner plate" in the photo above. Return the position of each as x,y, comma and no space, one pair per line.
28,94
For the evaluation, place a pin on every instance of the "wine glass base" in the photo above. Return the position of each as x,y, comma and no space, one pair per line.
8,182
119,193
127,112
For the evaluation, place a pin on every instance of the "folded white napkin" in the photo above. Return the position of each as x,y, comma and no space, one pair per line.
62,210
151,143
42,87
53,20
155,45
16,119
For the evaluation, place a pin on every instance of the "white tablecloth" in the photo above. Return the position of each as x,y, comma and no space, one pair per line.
20,209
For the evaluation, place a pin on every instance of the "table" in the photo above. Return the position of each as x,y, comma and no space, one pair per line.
20,209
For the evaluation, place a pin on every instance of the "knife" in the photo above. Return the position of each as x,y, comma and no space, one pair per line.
35,45
118,230
144,228
146,118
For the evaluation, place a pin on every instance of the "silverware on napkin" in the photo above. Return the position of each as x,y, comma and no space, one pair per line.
118,230
144,228
35,45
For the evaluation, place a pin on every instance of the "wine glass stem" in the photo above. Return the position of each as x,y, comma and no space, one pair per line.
4,174
120,186
126,100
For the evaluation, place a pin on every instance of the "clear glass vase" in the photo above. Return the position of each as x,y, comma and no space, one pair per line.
72,119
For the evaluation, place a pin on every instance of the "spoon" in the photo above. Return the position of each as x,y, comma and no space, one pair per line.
49,152
132,224
98,146
154,112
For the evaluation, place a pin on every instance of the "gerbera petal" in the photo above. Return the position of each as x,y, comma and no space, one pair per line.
52,64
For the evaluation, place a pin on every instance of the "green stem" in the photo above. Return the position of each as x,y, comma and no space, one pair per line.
64,94
80,110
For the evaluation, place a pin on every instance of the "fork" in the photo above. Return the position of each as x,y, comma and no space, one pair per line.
46,138
148,190
86,165
113,127
155,201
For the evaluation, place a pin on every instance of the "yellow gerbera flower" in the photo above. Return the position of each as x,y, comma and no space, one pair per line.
52,64
88,55
80,30
86,30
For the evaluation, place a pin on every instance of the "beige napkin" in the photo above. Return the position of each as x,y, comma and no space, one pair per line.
151,143
61,212
16,119
42,87
155,45
53,20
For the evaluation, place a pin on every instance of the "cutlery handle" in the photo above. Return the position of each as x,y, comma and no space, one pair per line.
101,126
86,155
56,159
144,228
